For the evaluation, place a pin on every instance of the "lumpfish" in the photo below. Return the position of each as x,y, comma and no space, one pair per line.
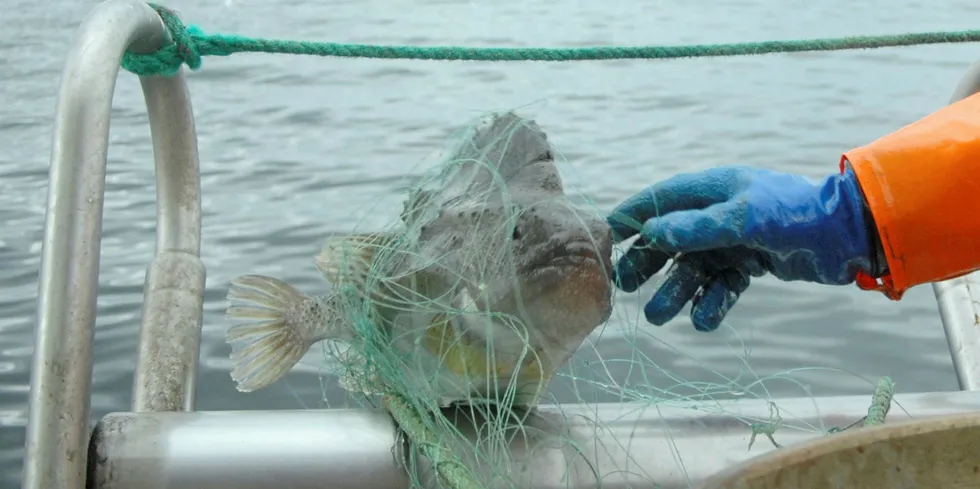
491,283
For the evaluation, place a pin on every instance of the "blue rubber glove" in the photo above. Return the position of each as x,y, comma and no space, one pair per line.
732,223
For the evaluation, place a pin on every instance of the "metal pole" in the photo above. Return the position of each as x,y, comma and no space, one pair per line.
61,374
959,298
958,306
332,449
572,446
173,295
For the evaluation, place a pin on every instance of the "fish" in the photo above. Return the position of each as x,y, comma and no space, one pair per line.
490,282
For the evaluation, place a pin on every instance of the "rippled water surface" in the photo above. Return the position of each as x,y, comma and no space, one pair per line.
295,148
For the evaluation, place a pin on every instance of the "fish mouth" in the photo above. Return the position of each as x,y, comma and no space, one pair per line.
571,285
574,255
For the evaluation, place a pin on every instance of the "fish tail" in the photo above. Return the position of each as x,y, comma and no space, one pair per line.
273,336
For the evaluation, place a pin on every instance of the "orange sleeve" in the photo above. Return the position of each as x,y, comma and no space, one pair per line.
922,185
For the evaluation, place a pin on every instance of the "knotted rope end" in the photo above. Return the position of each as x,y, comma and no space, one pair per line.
167,60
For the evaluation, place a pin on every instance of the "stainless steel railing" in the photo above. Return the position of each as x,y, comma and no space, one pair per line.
61,376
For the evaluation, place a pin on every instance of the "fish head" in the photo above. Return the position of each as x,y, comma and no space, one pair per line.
503,231
561,283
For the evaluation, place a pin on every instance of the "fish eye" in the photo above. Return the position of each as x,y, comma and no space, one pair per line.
516,233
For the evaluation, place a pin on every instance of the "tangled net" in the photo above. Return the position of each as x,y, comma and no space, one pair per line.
487,436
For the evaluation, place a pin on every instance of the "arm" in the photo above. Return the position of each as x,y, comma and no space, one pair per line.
921,187
901,210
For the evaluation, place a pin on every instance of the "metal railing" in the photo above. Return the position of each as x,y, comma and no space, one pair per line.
157,447
61,375
959,298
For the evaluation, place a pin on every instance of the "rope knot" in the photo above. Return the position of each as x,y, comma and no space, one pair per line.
167,60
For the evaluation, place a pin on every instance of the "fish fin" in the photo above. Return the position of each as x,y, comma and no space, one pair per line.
273,335
460,353
349,257
506,143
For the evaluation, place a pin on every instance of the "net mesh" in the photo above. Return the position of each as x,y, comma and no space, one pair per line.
437,301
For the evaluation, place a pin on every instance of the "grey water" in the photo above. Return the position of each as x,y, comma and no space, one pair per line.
296,148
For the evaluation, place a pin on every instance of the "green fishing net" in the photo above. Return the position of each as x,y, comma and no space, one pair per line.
484,441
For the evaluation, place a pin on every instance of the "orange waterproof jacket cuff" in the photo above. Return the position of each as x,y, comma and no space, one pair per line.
923,190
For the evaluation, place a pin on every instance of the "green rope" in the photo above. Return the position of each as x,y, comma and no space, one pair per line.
449,467
881,402
767,429
190,44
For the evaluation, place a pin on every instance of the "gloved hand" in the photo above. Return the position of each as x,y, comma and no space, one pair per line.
729,224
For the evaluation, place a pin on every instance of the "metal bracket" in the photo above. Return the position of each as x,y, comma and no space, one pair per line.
61,375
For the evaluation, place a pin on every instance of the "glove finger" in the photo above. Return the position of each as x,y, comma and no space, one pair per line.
639,263
749,261
754,263
717,226
684,279
680,192
719,295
